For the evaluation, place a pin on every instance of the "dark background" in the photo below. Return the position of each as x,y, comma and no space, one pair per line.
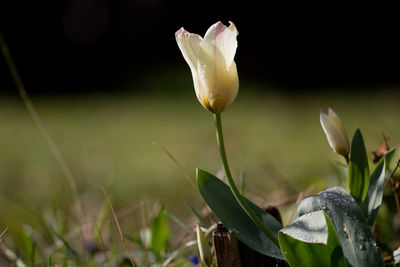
84,45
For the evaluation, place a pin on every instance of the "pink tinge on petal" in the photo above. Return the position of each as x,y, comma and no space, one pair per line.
219,28
213,32
180,32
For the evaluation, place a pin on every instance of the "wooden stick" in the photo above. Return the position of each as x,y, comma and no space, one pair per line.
226,247
231,252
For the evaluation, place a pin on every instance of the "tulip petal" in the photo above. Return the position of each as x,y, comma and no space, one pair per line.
339,124
189,44
219,91
224,40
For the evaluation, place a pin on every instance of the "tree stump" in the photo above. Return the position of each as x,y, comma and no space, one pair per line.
231,252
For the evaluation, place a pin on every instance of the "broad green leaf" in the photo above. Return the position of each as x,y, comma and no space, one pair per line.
373,200
311,240
355,236
159,230
358,180
222,202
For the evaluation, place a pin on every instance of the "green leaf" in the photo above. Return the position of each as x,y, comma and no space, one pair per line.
49,261
358,179
373,200
29,243
355,236
159,232
389,156
311,240
222,202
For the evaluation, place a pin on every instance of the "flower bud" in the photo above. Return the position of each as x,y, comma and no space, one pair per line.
335,132
204,248
211,61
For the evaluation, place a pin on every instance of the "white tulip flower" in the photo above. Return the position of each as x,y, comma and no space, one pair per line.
211,61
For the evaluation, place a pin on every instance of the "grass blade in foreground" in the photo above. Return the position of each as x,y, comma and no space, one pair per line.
222,202
355,236
358,180
311,240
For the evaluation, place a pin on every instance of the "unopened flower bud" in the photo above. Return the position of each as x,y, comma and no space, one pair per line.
335,132
204,248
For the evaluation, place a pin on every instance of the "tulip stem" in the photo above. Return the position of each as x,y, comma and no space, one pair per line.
235,191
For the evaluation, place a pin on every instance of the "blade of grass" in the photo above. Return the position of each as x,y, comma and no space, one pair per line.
196,214
278,177
178,251
49,261
45,134
127,210
118,226
65,243
3,233
179,222
184,172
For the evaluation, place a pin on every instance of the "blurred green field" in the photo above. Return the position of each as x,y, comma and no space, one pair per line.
107,140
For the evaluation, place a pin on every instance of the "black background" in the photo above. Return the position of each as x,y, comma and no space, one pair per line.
83,45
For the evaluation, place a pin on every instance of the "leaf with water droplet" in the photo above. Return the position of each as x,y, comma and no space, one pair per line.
350,225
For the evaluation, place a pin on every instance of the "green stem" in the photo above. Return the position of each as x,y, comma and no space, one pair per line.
235,191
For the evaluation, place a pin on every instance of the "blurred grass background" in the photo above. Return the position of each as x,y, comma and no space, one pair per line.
273,137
